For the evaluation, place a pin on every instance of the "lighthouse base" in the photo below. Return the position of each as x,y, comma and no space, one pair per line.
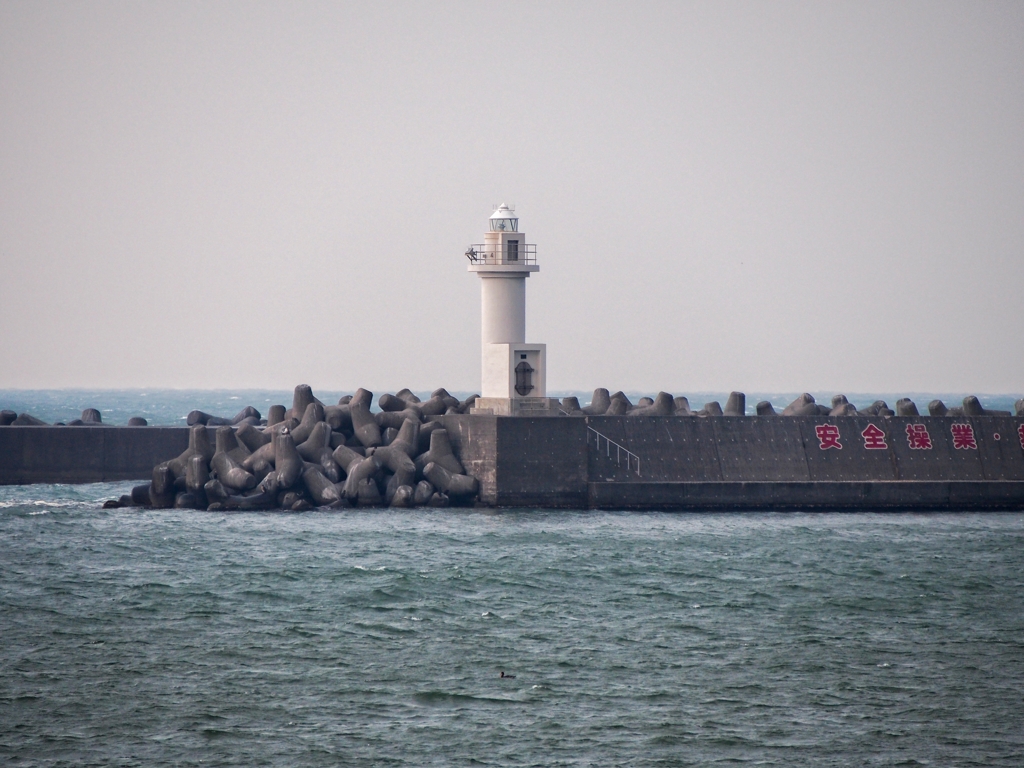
514,381
515,406
514,370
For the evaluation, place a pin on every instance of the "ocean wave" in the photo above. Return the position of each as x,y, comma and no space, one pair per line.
445,697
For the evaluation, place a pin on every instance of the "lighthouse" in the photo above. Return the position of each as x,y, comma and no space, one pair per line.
513,372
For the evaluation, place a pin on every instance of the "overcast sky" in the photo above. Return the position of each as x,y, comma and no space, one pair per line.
753,196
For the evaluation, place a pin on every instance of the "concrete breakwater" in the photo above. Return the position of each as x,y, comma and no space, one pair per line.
711,458
802,462
315,455
809,456
63,454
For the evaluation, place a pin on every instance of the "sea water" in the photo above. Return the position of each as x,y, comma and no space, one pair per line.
377,637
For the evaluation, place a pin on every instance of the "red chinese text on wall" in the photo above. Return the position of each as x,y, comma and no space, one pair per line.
918,438
874,438
828,436
963,437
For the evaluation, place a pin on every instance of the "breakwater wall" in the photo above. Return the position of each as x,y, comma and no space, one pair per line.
601,462
39,454
609,462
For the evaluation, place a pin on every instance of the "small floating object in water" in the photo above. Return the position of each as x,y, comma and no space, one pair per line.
507,677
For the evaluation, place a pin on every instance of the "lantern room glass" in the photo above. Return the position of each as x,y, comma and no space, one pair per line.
504,225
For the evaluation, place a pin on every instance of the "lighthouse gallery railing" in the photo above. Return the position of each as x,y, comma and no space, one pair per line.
494,253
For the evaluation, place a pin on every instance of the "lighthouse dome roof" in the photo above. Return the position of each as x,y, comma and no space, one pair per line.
504,212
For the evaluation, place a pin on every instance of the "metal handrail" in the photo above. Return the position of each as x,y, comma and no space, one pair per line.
619,450
493,253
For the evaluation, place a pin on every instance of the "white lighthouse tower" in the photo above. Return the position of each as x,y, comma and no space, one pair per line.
513,373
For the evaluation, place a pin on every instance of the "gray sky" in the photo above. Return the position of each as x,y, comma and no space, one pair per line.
753,196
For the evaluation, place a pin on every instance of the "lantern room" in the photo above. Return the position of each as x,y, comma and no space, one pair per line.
504,219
